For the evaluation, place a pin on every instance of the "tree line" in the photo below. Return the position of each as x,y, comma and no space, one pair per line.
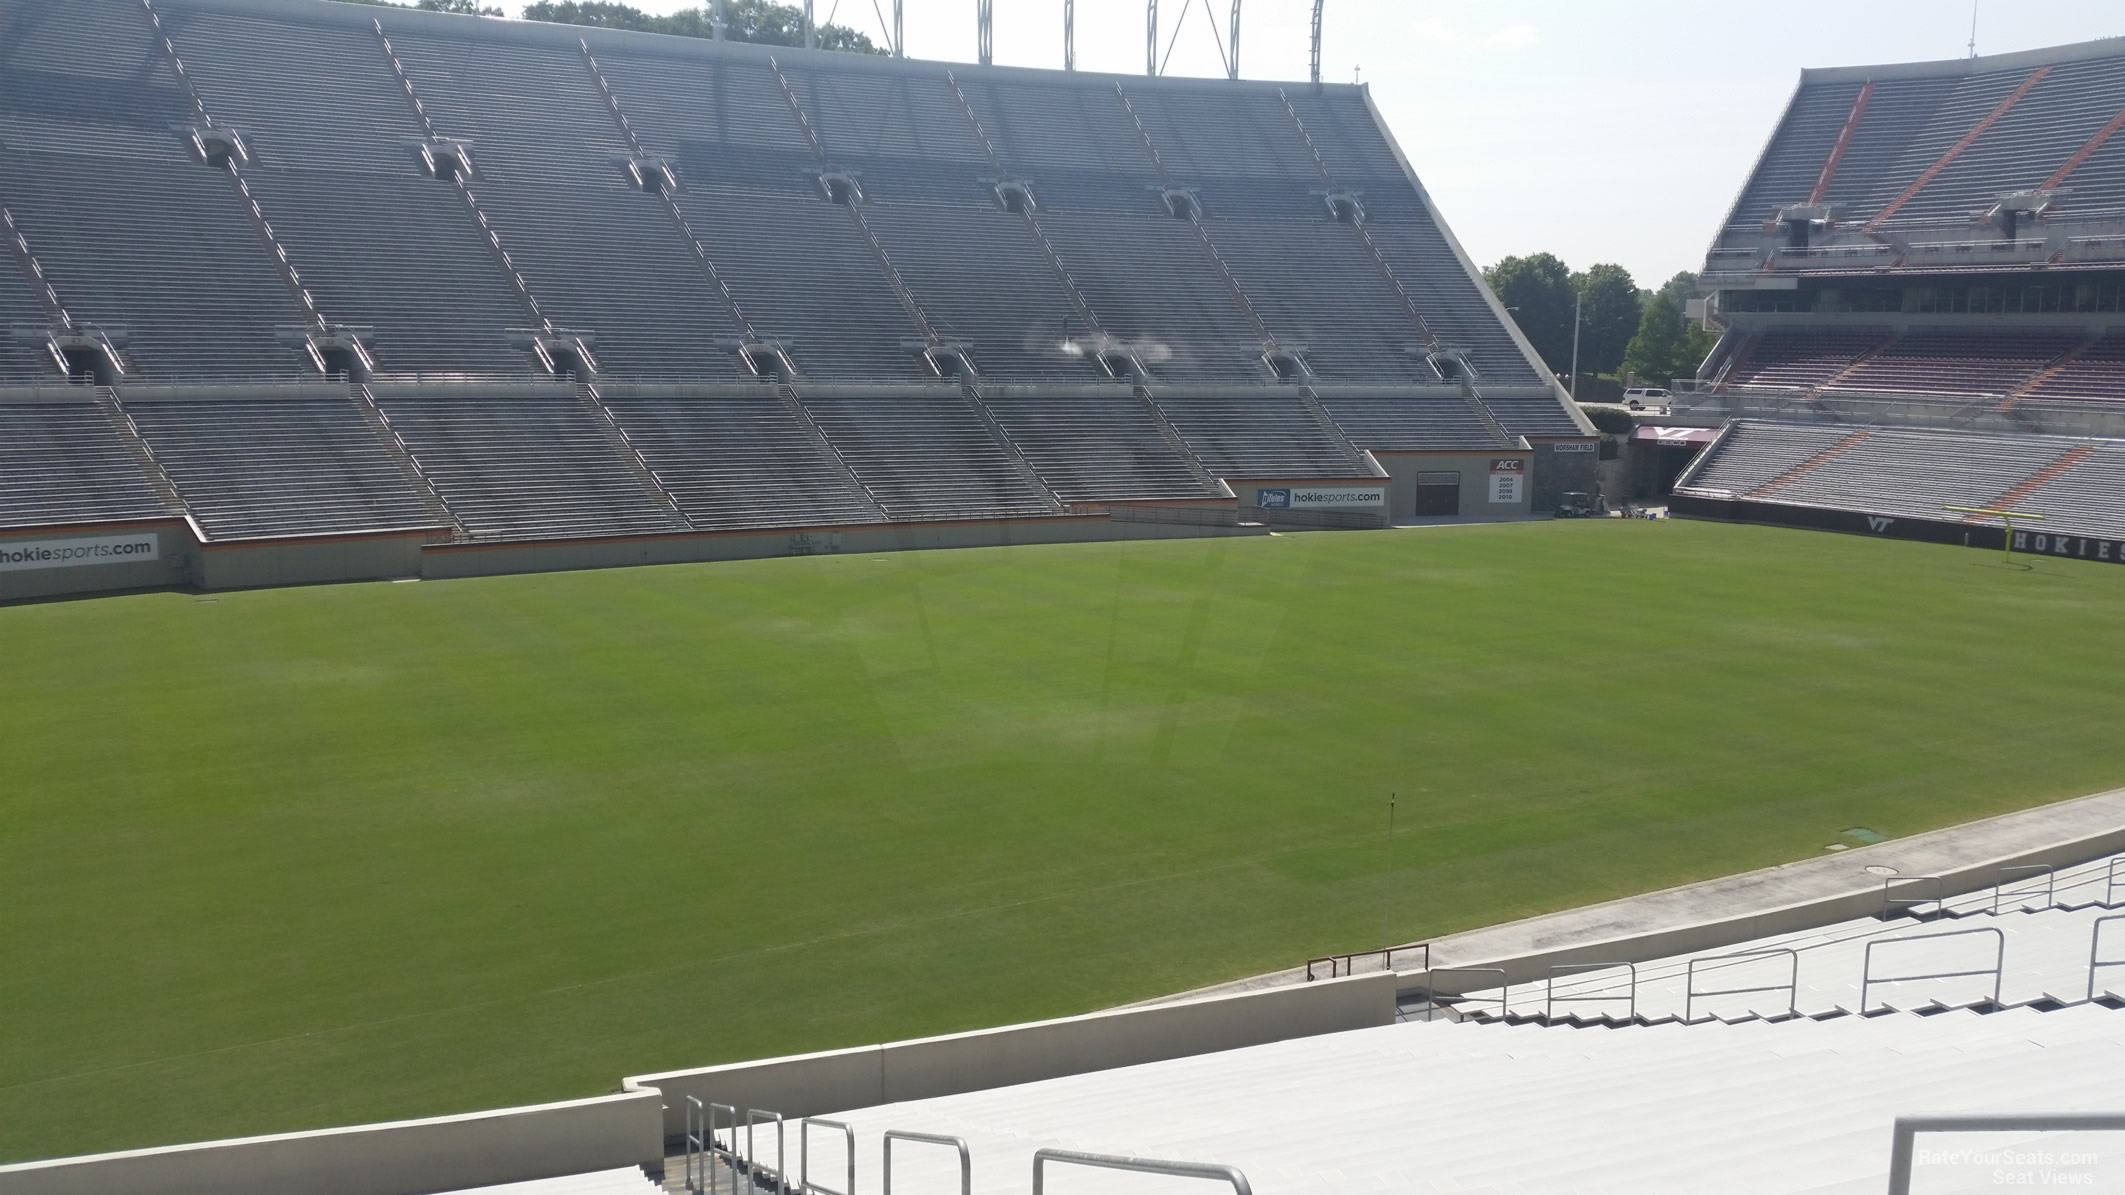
761,21
1637,335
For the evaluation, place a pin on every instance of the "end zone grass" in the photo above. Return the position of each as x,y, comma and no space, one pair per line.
287,859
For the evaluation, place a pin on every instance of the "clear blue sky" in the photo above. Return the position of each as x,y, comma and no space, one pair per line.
1600,130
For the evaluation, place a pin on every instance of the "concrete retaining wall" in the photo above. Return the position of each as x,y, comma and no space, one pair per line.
175,559
258,563
402,1158
1860,900
440,562
814,1084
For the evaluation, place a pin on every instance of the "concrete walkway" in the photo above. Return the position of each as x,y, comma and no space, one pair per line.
1833,874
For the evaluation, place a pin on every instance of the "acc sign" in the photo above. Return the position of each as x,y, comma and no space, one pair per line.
73,553
1319,498
1507,477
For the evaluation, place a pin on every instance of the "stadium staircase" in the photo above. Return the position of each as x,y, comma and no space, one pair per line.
794,404
624,448
1357,225
2057,367
1811,464
1956,150
1174,440
137,447
1352,456
850,198
659,178
969,390
402,459
456,172
2071,457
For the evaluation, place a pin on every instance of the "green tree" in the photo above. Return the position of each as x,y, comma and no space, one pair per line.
1609,318
1668,345
1539,291
1656,354
763,22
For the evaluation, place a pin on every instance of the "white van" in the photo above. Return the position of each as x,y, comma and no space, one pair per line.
1639,398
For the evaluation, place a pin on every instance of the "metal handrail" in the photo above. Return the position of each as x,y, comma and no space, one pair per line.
805,1185
1791,985
1210,1170
1431,996
1996,971
1340,965
2110,888
1550,998
2051,883
2095,941
1904,902
754,1116
696,1164
729,1154
1902,1148
966,1159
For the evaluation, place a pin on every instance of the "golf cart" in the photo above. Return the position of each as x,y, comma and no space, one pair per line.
1579,505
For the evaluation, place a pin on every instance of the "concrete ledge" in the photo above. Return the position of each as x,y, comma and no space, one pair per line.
406,1157
814,1084
1781,900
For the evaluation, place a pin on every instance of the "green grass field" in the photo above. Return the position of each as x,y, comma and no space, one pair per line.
284,859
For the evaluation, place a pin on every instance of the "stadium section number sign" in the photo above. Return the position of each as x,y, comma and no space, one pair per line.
73,553
1507,476
1318,498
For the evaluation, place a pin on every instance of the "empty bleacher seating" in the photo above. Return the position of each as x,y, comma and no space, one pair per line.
21,357
252,467
1802,360
381,244
734,459
2073,483
2096,374
62,462
925,454
1268,435
601,255
1956,363
518,467
1410,424
1532,415
1096,448
451,287
2086,498
1755,453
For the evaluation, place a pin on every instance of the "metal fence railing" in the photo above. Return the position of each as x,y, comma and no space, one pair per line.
1791,987
1336,966
966,1158
1206,1170
1550,998
1868,979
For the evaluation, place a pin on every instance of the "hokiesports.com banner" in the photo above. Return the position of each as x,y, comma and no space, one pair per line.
73,553
1320,498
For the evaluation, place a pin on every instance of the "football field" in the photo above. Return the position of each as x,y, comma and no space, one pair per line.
285,859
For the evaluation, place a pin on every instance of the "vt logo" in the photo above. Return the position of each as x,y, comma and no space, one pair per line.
1879,524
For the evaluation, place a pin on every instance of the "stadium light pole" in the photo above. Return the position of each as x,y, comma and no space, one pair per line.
1069,35
1578,305
811,28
